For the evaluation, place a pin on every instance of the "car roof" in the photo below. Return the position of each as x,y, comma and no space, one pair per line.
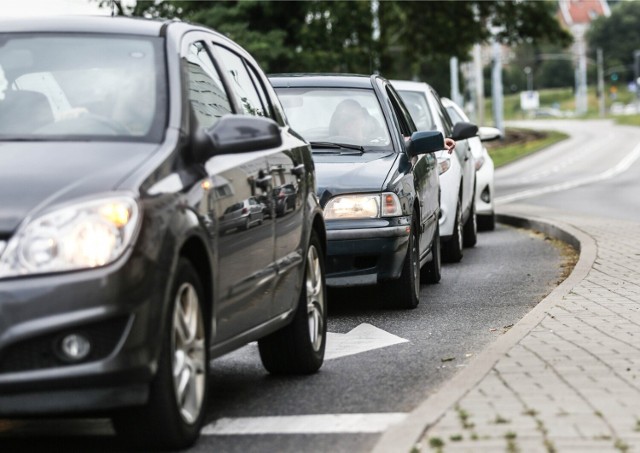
322,80
84,24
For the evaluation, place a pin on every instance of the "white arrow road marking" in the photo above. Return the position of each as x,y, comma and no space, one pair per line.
304,424
363,338
621,167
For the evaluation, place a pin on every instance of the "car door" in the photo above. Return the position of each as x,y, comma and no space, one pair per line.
285,174
244,262
425,176
463,150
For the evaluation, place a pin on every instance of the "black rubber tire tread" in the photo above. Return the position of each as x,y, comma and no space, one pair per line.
452,248
470,229
487,222
400,293
158,425
431,272
289,350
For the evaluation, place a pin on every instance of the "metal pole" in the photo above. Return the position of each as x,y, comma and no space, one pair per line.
496,87
477,63
455,82
600,82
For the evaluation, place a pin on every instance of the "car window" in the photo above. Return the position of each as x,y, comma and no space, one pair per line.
407,126
454,115
444,116
82,86
416,103
206,91
241,83
338,115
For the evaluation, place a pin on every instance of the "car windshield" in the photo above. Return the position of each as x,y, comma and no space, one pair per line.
416,103
336,115
77,86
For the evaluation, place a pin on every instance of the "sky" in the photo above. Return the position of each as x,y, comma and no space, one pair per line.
12,8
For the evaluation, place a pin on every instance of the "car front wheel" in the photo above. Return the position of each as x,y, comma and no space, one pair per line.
452,249
404,292
431,272
298,348
470,230
174,413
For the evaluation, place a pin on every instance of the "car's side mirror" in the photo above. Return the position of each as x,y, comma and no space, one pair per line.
423,142
488,134
463,130
233,134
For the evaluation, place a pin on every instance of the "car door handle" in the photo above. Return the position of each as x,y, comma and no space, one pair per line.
263,182
298,170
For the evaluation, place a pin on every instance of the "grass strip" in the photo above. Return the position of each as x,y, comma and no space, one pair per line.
503,155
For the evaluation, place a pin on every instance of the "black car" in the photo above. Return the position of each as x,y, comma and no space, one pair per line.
377,181
123,143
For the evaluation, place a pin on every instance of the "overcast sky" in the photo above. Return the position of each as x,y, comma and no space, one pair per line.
10,8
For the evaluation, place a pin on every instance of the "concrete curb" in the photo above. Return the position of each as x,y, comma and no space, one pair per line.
404,436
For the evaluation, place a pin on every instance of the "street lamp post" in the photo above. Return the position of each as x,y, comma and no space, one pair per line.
527,71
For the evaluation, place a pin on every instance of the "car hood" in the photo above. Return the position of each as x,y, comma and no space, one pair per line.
336,174
35,175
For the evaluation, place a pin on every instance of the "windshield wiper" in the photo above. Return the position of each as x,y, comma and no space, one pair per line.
341,146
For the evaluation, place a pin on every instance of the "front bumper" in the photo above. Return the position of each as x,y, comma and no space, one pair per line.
365,252
118,308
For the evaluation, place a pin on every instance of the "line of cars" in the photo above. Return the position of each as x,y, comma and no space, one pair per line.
159,209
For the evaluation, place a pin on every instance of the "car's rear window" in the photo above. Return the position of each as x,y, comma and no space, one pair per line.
82,86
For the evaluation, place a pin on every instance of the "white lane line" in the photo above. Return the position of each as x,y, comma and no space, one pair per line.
304,424
621,167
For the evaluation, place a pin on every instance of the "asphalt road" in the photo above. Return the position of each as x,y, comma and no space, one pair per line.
595,172
496,283
346,405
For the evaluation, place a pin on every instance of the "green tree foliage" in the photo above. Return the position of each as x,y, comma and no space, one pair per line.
619,37
414,39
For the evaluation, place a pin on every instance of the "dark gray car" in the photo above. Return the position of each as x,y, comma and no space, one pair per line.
122,144
377,181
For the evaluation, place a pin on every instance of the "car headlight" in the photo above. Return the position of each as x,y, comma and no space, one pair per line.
81,236
363,206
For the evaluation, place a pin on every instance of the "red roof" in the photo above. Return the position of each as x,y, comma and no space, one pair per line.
582,11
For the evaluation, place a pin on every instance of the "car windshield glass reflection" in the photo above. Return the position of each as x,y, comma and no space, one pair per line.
65,87
336,115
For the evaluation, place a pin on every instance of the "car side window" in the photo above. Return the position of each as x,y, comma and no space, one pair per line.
206,91
444,116
406,124
241,83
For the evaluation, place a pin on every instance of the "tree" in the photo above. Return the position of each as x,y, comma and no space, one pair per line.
416,39
619,37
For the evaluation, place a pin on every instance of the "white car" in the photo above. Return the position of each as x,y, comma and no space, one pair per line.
458,226
484,166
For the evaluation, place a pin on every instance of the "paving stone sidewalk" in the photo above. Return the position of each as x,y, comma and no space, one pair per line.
570,382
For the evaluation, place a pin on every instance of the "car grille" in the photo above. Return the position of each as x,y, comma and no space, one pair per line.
40,352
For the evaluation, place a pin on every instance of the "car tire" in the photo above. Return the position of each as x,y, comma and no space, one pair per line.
404,292
487,222
298,348
470,229
452,248
174,413
431,272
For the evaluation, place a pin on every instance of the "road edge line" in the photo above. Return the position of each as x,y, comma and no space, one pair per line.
404,436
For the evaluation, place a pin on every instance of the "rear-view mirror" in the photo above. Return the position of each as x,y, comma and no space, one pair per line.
488,134
464,130
423,142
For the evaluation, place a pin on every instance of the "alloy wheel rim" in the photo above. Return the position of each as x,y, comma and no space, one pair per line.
315,299
188,347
